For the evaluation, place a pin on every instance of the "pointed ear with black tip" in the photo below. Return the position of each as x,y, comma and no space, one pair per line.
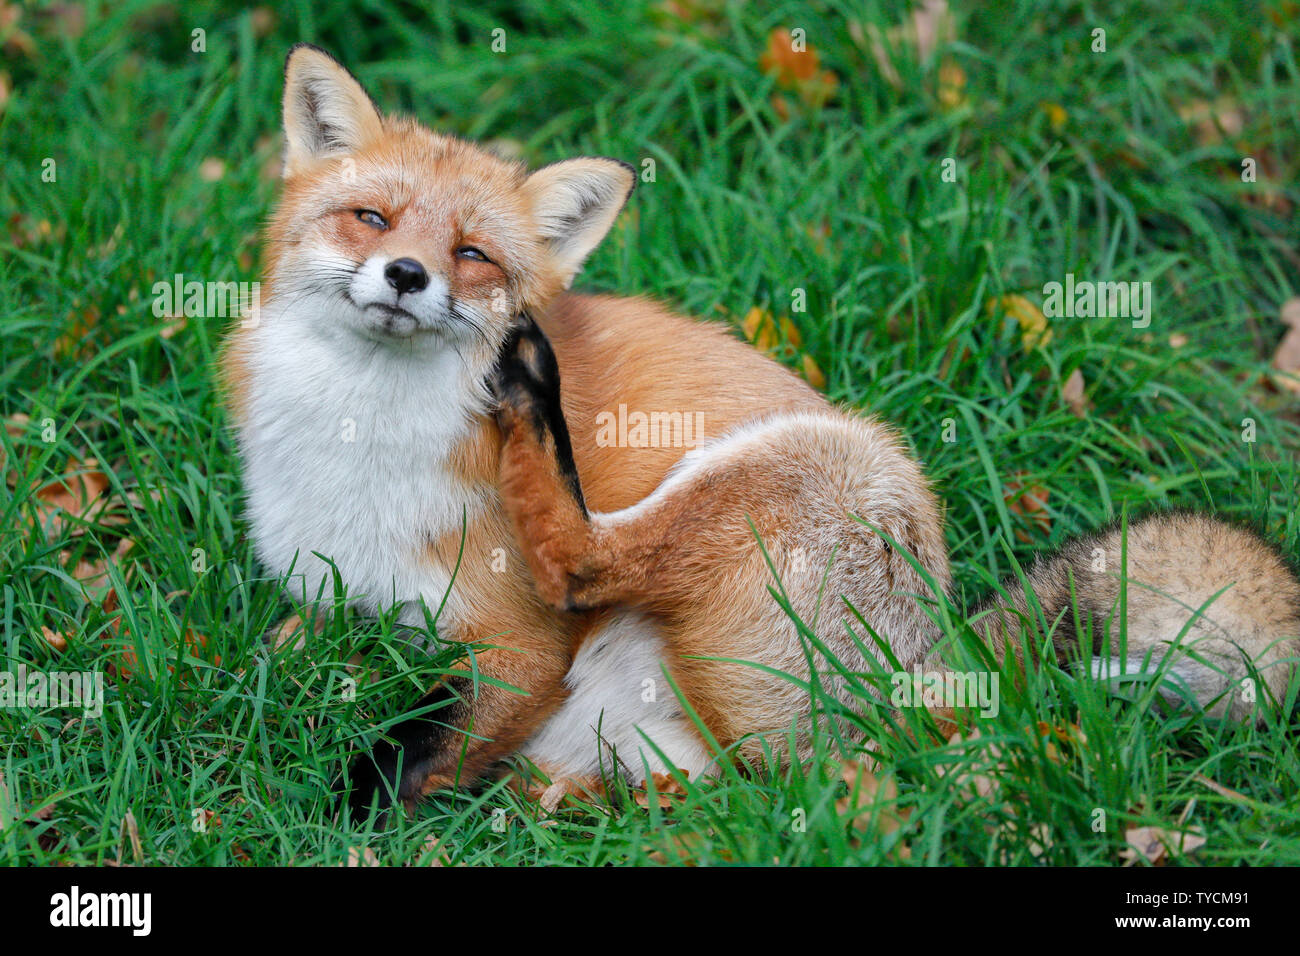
575,202
326,112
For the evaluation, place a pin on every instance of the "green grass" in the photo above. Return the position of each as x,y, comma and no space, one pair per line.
845,202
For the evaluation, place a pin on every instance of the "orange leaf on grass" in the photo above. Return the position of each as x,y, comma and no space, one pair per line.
74,496
765,333
798,69
1028,502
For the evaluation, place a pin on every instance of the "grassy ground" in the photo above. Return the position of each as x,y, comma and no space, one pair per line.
213,750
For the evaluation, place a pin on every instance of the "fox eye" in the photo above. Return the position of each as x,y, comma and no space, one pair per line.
469,252
372,218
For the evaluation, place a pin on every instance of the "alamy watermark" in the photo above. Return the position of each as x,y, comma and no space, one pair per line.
973,689
37,689
221,300
635,429
1085,299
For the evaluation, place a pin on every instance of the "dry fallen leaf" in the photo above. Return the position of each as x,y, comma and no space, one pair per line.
212,169
765,333
797,69
54,639
1073,394
683,847
558,792
1154,843
125,663
930,26
133,835
1212,122
870,796
668,791
1035,331
983,785
77,341
1030,503
76,495
431,852
361,856
952,85
1287,357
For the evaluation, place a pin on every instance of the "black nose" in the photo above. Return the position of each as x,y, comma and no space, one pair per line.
406,275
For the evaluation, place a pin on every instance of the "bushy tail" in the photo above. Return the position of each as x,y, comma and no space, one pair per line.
1214,594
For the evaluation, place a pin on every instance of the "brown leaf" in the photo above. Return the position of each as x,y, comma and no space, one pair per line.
981,784
54,639
76,495
431,852
683,848
133,835
1028,502
262,20
361,856
212,169
76,342
1287,357
952,85
1056,115
797,70
668,791
1220,789
930,25
1212,122
169,330
812,374
1154,843
791,66
871,797
557,792
1073,394
63,20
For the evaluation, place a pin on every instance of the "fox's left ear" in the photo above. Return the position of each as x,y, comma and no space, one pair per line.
326,111
575,202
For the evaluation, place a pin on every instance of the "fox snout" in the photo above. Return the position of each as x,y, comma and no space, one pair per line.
406,275
399,296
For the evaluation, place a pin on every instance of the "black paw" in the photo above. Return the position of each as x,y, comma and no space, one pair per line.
526,377
526,383
369,785
399,763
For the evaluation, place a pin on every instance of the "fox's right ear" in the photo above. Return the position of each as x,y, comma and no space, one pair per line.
326,112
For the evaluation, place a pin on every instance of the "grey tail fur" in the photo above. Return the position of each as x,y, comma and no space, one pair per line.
1213,594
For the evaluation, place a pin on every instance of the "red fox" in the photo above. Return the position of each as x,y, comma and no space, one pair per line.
420,400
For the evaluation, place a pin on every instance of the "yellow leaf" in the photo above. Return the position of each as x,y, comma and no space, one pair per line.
952,85
1056,115
767,335
1034,330
812,374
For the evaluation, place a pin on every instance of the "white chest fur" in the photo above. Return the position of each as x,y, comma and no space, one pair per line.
345,444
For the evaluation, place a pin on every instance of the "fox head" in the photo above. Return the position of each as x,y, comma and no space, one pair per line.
395,233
